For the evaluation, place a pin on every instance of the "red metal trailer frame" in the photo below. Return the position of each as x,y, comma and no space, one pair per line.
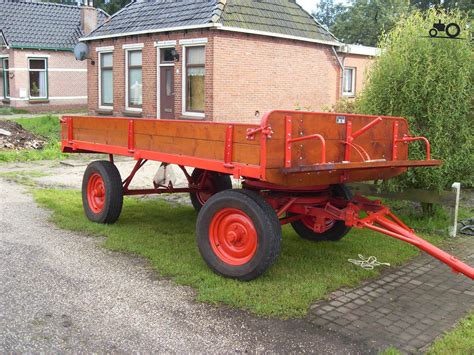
285,188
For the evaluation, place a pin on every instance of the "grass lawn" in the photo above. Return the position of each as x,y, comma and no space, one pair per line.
458,341
46,126
7,111
164,234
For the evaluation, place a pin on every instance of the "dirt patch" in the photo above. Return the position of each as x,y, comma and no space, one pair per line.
14,136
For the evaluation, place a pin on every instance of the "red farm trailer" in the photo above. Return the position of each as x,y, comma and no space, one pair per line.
293,167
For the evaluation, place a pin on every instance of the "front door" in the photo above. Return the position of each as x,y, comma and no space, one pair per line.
167,92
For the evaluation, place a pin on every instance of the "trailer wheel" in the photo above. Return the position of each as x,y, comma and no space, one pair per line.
238,234
212,182
337,229
102,192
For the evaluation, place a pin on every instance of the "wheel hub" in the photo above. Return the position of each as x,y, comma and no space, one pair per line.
96,193
233,237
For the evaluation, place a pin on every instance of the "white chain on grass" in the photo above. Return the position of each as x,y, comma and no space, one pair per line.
368,264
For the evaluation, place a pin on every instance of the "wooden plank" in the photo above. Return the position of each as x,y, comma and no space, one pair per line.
360,165
186,129
416,195
110,137
242,153
315,178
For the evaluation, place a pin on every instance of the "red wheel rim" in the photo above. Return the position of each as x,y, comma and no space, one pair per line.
309,222
233,236
207,189
96,193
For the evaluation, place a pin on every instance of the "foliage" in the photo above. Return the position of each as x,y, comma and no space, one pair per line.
111,6
428,81
327,12
345,106
46,126
458,341
463,5
305,271
364,21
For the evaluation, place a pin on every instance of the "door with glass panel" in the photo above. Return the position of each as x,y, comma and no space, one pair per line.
166,84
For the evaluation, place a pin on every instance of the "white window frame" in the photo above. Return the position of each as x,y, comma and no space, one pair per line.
159,46
35,57
7,78
132,48
196,42
354,73
104,50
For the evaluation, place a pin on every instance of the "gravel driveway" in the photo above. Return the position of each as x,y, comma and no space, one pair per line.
61,291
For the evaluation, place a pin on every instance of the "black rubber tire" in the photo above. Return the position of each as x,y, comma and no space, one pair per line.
338,230
113,192
265,222
457,30
433,32
220,183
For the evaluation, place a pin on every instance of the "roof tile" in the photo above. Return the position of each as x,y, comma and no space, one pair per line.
41,25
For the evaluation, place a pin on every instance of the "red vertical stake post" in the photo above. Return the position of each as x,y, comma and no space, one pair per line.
288,133
131,136
395,140
347,153
69,130
229,141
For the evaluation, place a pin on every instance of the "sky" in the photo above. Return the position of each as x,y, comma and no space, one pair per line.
310,5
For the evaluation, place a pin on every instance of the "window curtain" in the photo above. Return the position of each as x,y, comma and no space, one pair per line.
43,84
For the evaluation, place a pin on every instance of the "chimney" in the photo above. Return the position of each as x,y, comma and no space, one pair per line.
88,17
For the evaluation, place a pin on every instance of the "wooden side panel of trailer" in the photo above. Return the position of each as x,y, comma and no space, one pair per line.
377,142
261,152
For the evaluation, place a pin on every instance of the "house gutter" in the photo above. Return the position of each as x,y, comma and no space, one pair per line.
43,48
278,35
157,30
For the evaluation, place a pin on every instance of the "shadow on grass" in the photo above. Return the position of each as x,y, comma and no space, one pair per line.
164,234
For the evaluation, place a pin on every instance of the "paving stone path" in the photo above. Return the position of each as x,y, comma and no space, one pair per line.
407,308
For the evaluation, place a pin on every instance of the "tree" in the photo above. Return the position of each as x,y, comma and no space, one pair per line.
111,6
327,12
429,82
463,5
364,20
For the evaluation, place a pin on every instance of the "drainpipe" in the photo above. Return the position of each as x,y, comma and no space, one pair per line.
340,60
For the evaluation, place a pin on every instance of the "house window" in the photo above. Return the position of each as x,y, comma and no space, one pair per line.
166,55
134,79
348,82
195,74
106,79
5,77
38,73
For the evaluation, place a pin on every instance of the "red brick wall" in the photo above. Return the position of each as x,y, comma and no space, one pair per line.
255,73
362,65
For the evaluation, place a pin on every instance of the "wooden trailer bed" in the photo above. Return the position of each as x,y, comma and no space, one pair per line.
288,148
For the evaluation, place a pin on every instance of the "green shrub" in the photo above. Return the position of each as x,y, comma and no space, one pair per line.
429,81
345,106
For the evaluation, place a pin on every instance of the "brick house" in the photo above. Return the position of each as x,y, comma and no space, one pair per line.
38,70
221,60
